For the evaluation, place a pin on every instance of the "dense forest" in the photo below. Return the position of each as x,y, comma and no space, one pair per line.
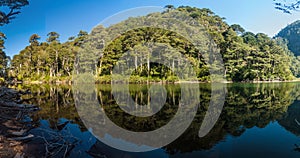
291,34
246,56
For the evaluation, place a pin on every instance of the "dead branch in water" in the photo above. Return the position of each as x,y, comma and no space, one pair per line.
58,143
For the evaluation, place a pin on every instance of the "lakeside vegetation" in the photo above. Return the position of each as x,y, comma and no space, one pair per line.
247,56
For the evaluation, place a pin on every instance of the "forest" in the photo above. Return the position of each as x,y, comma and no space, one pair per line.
291,34
246,56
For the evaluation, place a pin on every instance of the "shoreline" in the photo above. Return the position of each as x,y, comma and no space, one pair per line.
153,82
13,124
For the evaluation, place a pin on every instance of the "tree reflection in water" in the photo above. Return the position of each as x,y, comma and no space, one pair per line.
246,106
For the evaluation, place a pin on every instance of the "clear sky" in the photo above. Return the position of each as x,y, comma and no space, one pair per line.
68,17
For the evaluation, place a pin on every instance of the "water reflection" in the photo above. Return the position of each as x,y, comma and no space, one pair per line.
247,107
290,121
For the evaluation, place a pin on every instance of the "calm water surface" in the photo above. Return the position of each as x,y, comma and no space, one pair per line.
258,120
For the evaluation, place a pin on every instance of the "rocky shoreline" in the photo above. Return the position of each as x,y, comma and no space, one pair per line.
15,122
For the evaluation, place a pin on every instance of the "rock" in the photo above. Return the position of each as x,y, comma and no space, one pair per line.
19,155
12,144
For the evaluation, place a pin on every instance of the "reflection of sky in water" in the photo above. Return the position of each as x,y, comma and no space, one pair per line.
271,141
120,142
125,144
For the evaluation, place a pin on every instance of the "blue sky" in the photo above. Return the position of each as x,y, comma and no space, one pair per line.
68,17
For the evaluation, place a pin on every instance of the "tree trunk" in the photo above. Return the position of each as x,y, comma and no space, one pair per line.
56,61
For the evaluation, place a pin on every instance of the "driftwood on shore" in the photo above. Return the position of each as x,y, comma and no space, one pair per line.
13,128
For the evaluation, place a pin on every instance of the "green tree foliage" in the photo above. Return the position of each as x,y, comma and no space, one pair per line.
52,37
169,7
3,58
294,63
246,56
33,40
292,34
13,9
238,29
45,61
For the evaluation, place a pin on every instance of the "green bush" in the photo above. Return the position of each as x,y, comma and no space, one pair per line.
172,79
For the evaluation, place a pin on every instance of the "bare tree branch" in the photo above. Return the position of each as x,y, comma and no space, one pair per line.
14,7
287,6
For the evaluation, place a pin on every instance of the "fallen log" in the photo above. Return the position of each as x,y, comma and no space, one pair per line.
22,138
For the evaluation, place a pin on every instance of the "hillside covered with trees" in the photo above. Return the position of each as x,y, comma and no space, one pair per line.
246,56
291,34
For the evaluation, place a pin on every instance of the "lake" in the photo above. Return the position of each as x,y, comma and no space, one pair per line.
257,120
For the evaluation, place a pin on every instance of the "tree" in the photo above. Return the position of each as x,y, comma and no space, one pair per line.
33,40
169,7
246,56
238,29
54,50
30,50
81,37
291,34
2,38
13,6
3,57
249,38
52,36
287,6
